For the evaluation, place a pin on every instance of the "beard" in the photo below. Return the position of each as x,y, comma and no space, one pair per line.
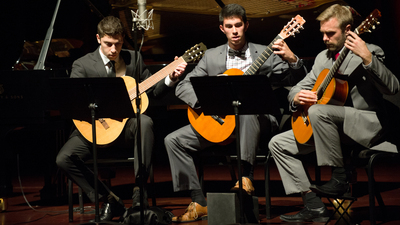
335,47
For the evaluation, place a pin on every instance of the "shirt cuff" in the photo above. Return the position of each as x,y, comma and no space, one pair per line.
169,82
293,107
296,64
367,66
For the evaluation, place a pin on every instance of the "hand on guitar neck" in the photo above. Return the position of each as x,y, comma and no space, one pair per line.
357,45
282,49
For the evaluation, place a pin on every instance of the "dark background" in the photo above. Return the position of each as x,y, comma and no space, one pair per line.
29,20
25,20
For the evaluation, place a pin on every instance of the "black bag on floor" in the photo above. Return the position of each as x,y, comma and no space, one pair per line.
152,216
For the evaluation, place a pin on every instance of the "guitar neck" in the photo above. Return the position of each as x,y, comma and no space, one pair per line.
332,71
155,78
262,58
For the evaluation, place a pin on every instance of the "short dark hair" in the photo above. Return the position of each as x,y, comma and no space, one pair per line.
110,26
232,10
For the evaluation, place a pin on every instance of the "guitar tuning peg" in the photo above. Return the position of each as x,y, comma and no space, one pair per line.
377,22
301,27
373,27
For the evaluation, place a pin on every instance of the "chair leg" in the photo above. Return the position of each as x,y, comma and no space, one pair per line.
231,169
201,174
70,202
372,191
267,191
317,174
80,194
153,196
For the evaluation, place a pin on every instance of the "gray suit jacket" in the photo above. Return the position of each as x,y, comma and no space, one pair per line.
365,121
213,63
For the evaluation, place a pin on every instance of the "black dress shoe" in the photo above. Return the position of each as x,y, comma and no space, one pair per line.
111,210
307,215
136,198
333,187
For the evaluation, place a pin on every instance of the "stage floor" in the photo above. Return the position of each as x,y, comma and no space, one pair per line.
27,206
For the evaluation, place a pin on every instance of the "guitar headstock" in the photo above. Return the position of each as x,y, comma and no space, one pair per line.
292,27
195,52
369,22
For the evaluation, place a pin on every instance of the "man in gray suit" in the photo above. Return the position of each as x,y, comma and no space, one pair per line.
360,123
77,149
237,53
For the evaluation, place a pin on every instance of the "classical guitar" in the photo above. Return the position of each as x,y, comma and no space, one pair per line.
218,129
329,90
107,129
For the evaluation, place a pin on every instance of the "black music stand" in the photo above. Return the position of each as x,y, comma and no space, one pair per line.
89,99
235,95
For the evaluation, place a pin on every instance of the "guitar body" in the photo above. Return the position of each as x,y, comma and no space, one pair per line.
335,94
107,130
208,127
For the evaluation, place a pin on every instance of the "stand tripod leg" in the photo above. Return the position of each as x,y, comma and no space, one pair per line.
236,105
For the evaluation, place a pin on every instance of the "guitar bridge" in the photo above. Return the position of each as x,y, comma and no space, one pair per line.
218,119
104,123
305,120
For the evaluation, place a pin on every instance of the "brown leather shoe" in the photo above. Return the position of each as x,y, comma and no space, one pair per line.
192,213
247,186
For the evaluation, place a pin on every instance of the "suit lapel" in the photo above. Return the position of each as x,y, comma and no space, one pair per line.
127,57
221,60
98,63
253,52
346,62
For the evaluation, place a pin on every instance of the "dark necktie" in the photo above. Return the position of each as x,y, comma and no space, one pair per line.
111,72
240,54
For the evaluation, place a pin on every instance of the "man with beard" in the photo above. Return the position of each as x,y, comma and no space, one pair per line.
361,123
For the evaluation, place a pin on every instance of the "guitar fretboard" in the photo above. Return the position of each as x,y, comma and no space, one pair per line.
262,58
155,78
332,71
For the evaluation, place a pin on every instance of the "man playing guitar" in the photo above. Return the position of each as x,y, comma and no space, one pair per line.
357,121
237,53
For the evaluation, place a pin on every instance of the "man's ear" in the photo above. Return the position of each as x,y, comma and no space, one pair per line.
221,27
98,38
348,28
246,26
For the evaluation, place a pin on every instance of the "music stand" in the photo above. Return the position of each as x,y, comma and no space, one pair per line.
225,95
89,99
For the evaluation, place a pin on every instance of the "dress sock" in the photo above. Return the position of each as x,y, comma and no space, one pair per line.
248,170
198,196
312,201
